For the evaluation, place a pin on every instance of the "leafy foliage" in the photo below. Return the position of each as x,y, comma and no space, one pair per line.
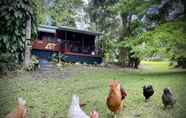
104,19
130,27
61,12
40,11
13,17
34,65
6,63
128,38
169,38
64,11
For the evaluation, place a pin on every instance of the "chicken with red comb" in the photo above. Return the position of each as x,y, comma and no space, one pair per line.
116,97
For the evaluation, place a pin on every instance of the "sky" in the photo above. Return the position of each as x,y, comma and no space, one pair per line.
81,18
86,1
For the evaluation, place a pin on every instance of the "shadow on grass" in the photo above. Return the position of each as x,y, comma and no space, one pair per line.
156,73
168,73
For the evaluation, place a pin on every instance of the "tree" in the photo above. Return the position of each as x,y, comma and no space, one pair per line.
130,28
64,11
113,18
122,22
107,21
40,11
57,12
169,38
13,17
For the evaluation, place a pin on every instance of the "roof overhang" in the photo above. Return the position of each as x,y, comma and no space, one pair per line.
46,28
53,29
71,29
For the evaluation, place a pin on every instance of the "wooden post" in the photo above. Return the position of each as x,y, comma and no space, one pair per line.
83,42
65,41
95,44
27,59
59,48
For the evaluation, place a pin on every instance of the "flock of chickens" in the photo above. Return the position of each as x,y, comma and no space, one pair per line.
114,101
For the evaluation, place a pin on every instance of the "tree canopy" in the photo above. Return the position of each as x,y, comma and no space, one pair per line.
13,17
57,12
168,37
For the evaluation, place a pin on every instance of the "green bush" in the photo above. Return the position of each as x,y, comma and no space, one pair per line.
34,65
13,18
7,63
55,57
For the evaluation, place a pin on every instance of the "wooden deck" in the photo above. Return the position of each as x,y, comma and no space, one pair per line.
81,58
80,54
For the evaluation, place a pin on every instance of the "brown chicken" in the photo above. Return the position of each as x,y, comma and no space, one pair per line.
115,97
20,111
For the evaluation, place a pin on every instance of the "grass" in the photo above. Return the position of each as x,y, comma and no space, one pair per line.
156,66
50,98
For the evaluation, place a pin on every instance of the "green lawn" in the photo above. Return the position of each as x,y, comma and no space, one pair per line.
50,98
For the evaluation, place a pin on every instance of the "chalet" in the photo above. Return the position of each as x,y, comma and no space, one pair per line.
73,44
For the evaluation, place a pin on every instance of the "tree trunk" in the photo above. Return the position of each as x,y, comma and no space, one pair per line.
27,59
123,52
123,57
184,3
28,55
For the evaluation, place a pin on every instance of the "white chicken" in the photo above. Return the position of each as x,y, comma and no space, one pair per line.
75,111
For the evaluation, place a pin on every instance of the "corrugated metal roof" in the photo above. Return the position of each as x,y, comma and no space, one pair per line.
52,29
46,28
71,29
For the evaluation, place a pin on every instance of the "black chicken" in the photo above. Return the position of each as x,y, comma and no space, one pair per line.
167,98
148,91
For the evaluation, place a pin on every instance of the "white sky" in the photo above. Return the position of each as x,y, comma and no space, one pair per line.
86,1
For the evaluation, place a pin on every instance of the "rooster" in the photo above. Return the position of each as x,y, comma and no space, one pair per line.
167,98
20,111
115,98
75,110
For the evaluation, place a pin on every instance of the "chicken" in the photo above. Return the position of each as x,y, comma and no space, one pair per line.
20,111
167,98
116,96
75,111
148,91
